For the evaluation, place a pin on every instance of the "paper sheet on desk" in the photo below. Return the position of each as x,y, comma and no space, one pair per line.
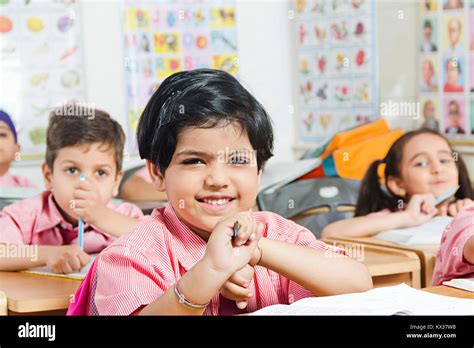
45,271
427,234
278,174
461,283
400,299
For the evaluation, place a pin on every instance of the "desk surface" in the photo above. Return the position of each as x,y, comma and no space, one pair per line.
384,262
27,293
34,293
426,253
450,291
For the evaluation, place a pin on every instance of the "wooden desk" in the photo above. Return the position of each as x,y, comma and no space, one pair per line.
28,294
426,254
387,266
450,291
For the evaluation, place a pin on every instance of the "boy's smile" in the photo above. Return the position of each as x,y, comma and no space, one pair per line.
213,174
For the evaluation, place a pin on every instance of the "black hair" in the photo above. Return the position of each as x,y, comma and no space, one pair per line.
75,124
427,24
203,98
372,197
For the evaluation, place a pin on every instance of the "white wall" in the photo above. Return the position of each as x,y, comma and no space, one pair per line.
265,49
265,69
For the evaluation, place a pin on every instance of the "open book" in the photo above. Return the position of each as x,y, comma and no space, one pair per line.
392,300
428,233
45,271
278,174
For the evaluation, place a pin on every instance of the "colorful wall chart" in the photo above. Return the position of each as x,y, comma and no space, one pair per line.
163,37
446,77
336,66
41,64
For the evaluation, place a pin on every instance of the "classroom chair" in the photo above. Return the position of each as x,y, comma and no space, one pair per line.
313,203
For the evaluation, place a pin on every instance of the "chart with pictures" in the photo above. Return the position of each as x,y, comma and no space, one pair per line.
446,77
164,37
336,66
41,57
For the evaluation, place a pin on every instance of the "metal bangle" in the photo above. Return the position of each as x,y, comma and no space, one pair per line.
182,299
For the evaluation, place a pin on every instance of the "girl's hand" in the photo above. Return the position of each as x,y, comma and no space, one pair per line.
227,256
87,203
420,209
236,288
454,208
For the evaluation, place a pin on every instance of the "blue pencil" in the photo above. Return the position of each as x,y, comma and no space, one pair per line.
445,196
80,225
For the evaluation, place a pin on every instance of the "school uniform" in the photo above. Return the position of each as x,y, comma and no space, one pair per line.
37,220
142,264
450,261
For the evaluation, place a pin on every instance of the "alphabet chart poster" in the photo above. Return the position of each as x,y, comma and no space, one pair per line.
164,37
41,55
446,67
336,66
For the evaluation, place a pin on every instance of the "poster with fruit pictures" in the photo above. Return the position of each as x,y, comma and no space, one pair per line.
41,65
446,67
167,36
336,66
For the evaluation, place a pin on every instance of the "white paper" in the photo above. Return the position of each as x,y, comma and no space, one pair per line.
276,175
400,299
428,233
461,283
47,272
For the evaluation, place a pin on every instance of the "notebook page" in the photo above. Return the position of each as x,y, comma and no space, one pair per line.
45,271
428,233
380,301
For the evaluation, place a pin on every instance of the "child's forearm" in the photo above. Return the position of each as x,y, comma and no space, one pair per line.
33,256
114,223
365,226
198,285
469,250
323,273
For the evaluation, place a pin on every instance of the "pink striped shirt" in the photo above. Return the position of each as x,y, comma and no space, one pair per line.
37,220
450,261
142,264
10,180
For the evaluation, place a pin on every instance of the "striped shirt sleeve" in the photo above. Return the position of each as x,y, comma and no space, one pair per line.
126,280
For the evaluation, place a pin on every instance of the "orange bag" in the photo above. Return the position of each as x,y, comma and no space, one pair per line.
349,153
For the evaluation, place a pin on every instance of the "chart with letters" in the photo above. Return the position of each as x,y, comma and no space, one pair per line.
336,66
164,37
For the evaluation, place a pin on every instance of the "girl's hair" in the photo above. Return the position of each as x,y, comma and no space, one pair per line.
203,98
372,197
